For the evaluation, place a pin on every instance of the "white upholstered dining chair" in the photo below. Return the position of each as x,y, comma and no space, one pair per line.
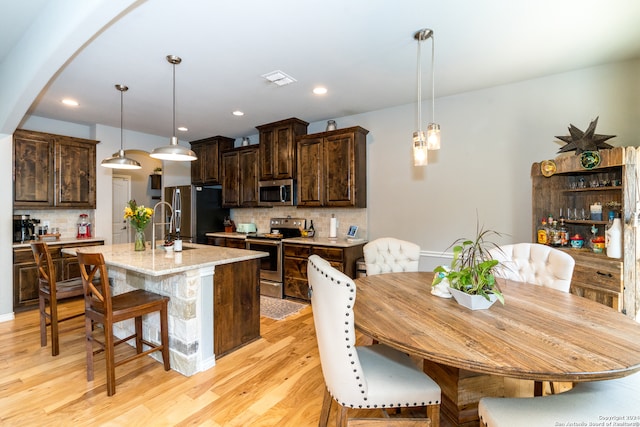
536,264
363,377
390,255
585,404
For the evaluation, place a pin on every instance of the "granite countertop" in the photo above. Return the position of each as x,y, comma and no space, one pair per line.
233,235
159,262
339,242
65,241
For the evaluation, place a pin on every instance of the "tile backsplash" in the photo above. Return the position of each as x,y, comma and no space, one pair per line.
66,220
320,216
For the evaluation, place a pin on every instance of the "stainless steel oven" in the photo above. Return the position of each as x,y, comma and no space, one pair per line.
272,266
271,273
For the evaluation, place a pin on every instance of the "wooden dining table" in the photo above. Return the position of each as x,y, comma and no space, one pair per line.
539,334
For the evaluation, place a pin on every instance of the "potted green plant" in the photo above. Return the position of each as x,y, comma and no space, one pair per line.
471,276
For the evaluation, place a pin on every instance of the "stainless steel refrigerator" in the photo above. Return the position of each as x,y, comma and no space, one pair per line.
197,211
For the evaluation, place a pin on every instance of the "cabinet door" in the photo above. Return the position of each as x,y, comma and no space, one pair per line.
339,161
230,180
278,148
248,161
267,154
75,168
33,168
197,175
310,172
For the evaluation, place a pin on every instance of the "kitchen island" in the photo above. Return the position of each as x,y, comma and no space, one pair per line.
214,304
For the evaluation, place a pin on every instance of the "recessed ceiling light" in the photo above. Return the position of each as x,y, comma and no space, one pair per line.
70,102
238,113
182,129
320,90
279,78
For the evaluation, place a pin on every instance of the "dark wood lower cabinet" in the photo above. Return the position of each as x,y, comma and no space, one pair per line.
229,242
236,312
25,272
296,284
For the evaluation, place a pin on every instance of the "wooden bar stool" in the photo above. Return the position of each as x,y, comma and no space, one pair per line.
50,292
102,307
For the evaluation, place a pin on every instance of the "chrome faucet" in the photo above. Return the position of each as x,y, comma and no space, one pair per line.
154,223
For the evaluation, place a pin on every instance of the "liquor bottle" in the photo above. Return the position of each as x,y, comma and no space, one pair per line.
564,234
311,230
543,235
554,234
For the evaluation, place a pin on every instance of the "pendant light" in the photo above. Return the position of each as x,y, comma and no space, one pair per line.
119,161
431,140
173,151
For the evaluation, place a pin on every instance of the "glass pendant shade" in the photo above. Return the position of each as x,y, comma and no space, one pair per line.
422,142
173,151
433,136
420,152
118,160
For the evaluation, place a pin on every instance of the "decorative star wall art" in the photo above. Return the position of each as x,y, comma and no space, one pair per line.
584,141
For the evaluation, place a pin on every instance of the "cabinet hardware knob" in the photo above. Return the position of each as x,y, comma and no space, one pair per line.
604,274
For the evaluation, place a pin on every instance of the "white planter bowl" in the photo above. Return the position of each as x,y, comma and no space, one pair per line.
473,302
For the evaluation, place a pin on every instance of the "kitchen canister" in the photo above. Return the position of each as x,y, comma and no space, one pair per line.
613,239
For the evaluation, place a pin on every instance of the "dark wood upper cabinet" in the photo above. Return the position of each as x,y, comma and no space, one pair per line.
206,169
332,168
278,148
53,171
240,177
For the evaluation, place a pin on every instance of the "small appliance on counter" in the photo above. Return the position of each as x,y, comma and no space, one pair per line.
247,227
84,227
24,228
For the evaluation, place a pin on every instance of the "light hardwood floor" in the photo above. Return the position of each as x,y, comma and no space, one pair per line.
274,381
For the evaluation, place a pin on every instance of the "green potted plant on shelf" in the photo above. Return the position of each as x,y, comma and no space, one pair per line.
471,276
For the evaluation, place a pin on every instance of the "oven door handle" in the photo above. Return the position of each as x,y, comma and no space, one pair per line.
283,194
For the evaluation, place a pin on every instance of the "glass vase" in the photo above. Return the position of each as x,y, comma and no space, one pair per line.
139,242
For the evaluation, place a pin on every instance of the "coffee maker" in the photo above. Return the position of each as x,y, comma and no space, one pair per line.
24,228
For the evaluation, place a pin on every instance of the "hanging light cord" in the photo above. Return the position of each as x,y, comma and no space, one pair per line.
419,77
121,120
433,82
173,132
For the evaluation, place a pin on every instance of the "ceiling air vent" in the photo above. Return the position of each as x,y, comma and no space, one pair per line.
279,78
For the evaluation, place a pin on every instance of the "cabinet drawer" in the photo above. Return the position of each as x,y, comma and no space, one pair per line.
606,275
295,268
330,254
300,251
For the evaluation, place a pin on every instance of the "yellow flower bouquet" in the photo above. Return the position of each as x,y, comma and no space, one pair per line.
139,217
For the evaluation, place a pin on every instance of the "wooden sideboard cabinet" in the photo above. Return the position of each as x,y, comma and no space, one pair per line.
296,284
53,171
240,177
25,272
278,148
573,188
205,170
332,168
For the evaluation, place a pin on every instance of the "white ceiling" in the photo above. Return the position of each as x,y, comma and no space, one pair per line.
363,51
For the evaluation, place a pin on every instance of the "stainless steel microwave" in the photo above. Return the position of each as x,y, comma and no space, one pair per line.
280,192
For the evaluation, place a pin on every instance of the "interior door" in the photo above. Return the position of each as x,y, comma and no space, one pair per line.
121,194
